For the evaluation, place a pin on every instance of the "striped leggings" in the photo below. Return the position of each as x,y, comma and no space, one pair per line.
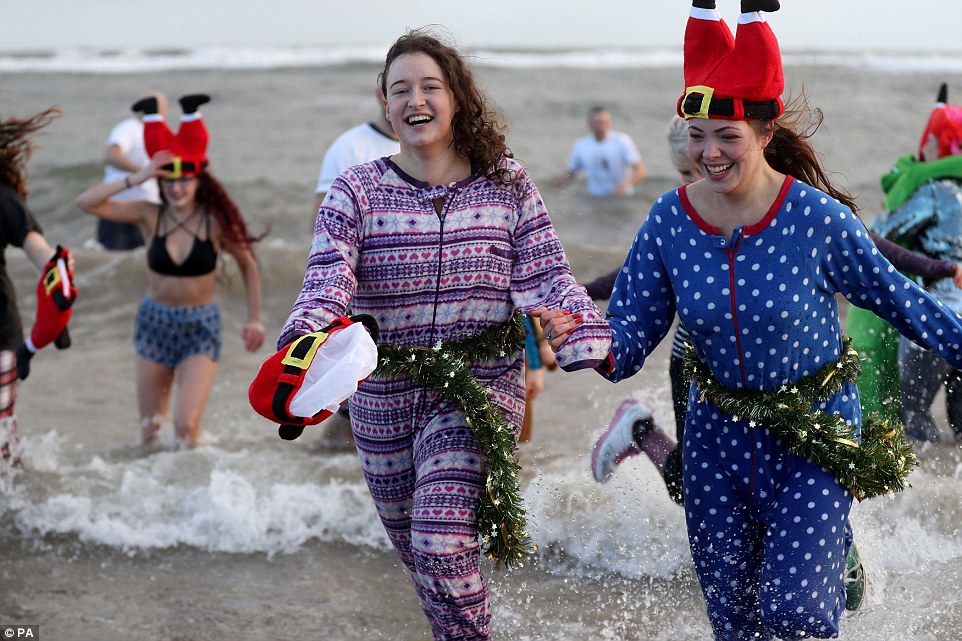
423,468
9,384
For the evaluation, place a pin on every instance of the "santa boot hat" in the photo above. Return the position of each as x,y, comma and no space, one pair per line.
945,125
307,381
189,144
731,78
56,294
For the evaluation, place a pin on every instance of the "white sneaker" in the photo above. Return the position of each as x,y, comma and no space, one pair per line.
618,443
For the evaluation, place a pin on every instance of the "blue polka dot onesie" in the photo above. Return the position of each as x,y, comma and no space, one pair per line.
767,529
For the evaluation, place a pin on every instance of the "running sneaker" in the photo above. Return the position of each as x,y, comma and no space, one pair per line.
618,441
855,581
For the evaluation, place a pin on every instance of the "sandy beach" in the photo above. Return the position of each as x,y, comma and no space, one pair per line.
249,537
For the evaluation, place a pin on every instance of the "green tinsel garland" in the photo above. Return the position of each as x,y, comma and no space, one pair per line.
879,465
445,368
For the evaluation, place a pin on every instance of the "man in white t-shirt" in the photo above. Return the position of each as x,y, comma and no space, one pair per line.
357,145
610,160
123,155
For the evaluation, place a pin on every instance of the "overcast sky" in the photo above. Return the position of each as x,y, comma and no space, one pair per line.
821,25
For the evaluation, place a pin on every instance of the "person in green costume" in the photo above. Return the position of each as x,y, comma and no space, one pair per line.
874,338
878,344
924,213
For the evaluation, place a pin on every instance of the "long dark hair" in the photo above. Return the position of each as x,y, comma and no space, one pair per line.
212,196
478,131
16,147
791,153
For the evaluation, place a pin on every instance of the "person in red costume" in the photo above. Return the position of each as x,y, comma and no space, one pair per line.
178,328
18,228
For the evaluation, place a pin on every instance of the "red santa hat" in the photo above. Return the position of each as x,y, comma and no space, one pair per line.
307,381
189,144
945,124
56,294
731,78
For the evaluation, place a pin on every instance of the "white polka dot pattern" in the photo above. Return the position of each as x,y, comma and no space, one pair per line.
767,530
761,307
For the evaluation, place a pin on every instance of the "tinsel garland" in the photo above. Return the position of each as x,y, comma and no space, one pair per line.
446,369
878,465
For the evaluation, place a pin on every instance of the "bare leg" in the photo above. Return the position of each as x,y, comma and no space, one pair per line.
195,378
633,431
153,396
657,446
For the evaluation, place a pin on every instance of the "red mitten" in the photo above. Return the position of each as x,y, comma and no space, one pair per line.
56,294
308,380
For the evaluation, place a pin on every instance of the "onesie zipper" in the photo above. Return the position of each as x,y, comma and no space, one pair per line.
738,346
437,285
731,288
721,242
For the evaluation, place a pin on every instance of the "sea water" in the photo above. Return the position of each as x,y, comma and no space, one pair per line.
251,537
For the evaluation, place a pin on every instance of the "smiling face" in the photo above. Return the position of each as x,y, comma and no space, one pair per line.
729,153
419,103
180,193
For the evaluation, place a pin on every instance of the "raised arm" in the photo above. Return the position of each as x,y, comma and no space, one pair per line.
96,200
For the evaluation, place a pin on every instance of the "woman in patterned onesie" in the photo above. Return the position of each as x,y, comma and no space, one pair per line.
440,242
751,258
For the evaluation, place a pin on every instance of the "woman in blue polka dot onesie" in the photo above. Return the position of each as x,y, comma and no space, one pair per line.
751,258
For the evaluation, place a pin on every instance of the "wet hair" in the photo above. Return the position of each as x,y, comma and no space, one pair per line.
16,147
478,131
790,152
212,196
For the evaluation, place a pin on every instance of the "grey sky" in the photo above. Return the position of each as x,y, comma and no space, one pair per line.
821,25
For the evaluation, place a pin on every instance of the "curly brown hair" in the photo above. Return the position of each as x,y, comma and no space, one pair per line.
479,133
16,147
213,198
791,153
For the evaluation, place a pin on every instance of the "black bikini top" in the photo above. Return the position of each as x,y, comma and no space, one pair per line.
201,260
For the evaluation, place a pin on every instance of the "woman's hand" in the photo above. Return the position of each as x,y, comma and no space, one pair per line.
957,276
545,353
253,335
154,168
557,325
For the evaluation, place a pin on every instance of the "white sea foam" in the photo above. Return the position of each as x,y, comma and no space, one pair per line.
271,498
259,500
113,61
628,526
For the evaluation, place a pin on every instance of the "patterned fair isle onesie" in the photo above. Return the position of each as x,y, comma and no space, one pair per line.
766,528
381,246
